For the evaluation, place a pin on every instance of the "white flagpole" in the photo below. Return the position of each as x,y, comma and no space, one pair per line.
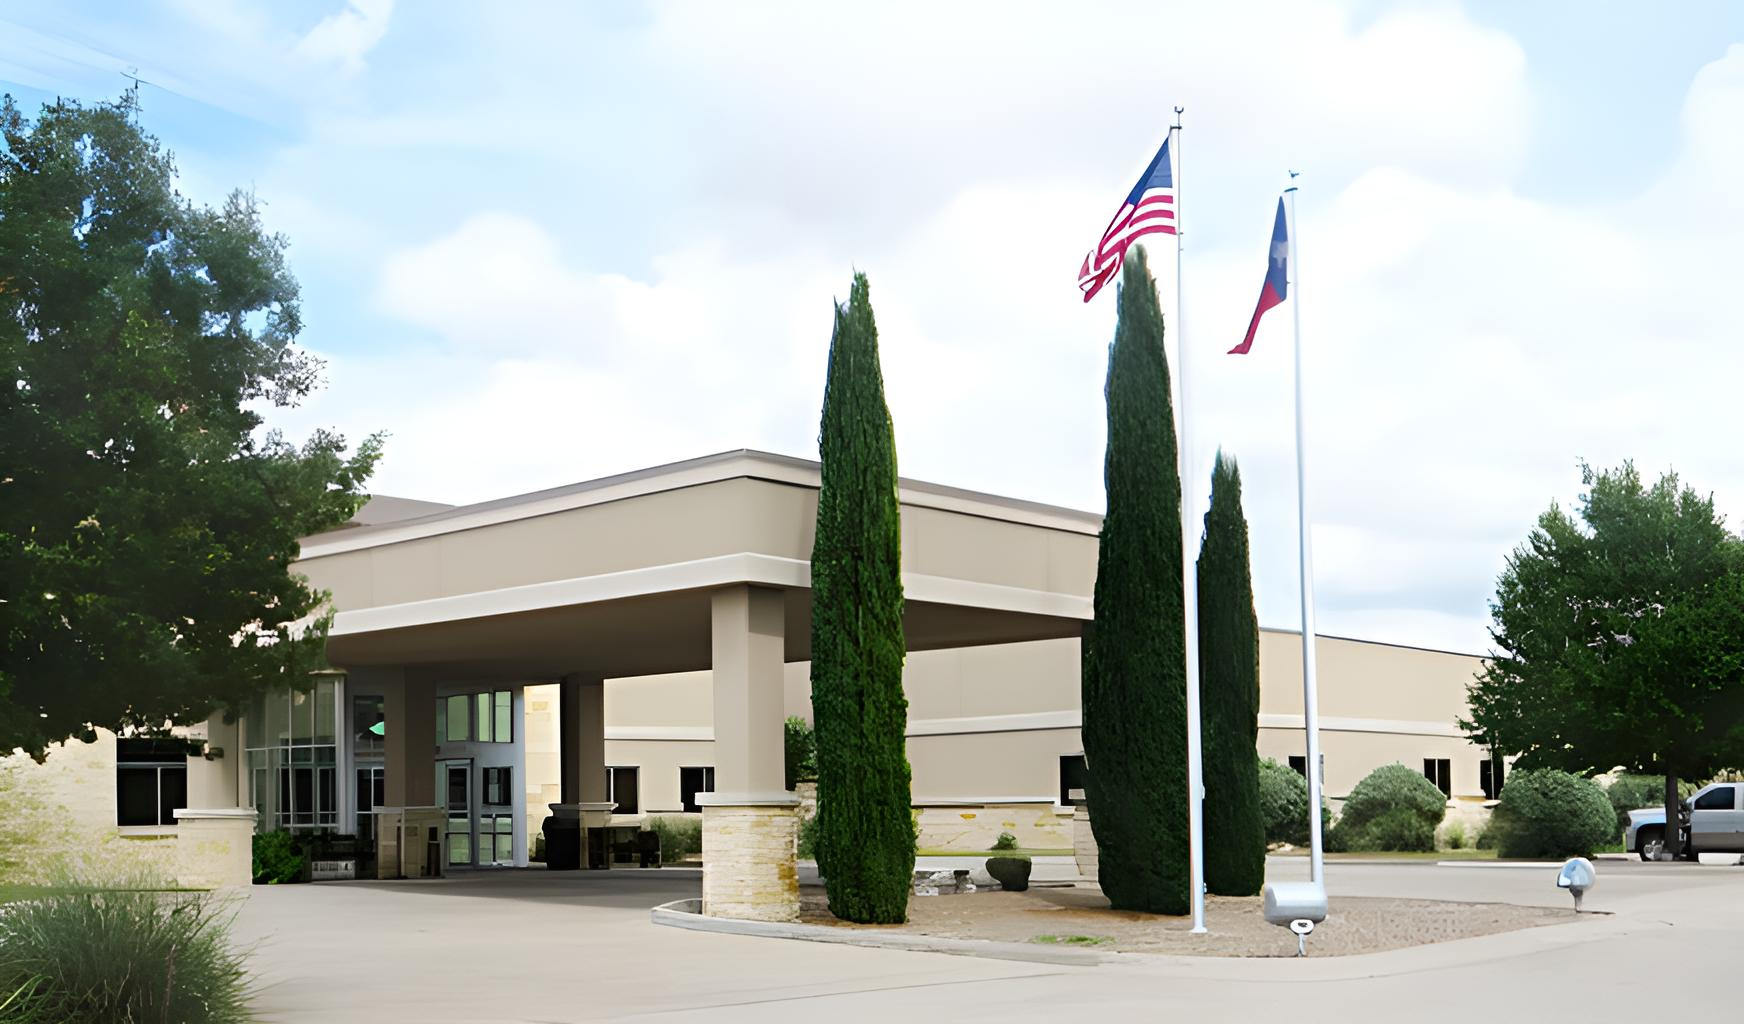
1310,686
1189,583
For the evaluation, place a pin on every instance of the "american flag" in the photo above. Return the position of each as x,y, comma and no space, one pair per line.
1149,209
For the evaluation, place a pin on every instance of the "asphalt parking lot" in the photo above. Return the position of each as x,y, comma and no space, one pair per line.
534,946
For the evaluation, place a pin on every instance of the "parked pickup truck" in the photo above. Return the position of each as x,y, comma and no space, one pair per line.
1713,823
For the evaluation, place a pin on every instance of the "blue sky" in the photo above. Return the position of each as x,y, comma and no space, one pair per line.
543,243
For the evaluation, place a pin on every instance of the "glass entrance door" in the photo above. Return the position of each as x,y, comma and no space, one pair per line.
454,781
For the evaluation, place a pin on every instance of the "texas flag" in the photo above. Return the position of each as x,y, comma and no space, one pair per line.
1277,285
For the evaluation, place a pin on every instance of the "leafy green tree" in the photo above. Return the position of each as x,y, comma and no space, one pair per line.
1620,638
147,521
1229,684
800,749
1134,678
865,846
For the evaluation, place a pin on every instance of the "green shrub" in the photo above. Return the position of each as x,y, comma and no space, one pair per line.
278,859
800,750
1633,792
1549,813
1376,813
1006,841
118,957
1284,804
679,837
808,838
1455,836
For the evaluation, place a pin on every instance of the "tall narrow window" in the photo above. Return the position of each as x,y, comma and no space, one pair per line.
458,730
694,780
1439,771
1071,780
483,717
622,788
505,719
496,786
1491,773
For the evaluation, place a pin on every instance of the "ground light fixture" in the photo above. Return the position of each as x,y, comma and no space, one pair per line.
1298,906
1577,876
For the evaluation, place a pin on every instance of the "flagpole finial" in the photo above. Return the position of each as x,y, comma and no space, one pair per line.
1293,176
1178,111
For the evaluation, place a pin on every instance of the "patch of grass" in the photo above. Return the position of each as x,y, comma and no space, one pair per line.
1020,851
1073,940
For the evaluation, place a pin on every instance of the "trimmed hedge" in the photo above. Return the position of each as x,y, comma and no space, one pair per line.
1284,804
1392,808
1550,813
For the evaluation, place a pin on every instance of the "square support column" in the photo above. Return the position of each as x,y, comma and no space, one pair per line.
750,821
405,822
581,746
408,741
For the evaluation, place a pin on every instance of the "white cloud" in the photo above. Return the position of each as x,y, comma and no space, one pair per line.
346,36
1466,343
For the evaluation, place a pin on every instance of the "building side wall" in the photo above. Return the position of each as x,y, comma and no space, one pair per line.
988,725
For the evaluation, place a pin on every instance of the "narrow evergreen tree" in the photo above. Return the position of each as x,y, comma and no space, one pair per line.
1135,694
865,847
1229,684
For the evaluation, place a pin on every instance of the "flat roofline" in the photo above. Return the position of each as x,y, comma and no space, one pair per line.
737,464
1377,643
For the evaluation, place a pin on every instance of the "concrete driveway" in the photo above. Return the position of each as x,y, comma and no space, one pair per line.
540,947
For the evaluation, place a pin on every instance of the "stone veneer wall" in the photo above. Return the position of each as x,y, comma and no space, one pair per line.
1084,849
748,862
57,820
974,827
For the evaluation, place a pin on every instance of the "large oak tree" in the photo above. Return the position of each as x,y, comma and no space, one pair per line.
1619,638
147,519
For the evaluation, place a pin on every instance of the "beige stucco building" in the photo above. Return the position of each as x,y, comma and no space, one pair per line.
631,646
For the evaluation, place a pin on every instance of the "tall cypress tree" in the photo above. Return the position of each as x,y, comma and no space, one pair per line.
865,847
1135,694
1229,682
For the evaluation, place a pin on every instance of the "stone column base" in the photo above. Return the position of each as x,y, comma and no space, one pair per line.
748,870
215,847
1084,849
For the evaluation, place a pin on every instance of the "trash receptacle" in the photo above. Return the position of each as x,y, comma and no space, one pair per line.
562,843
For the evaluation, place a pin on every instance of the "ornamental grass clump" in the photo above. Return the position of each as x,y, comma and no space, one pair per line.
120,956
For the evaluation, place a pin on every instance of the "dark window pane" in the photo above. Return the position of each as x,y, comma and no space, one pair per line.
136,796
161,750
1299,764
1071,779
172,783
692,781
378,789
361,793
1721,799
457,795
303,796
329,799
625,786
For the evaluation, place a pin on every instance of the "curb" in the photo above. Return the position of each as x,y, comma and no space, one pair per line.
687,914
